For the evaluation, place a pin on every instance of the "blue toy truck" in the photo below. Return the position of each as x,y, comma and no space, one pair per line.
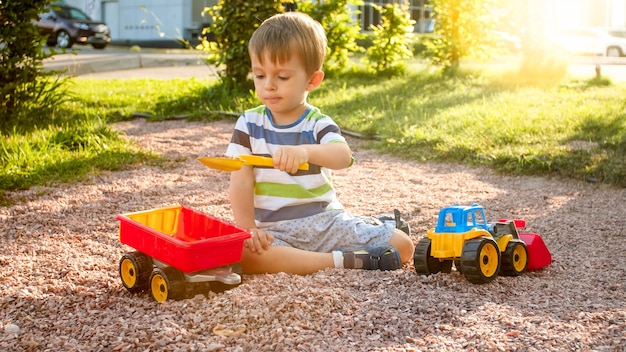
479,250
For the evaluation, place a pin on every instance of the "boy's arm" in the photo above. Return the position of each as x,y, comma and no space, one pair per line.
334,156
241,194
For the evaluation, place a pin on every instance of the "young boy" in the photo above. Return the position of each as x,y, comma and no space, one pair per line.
298,225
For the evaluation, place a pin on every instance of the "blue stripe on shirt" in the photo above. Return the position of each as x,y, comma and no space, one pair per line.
280,138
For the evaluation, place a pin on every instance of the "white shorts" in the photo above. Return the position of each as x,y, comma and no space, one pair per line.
330,230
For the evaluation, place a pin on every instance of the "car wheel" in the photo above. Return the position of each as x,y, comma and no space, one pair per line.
99,46
64,40
613,51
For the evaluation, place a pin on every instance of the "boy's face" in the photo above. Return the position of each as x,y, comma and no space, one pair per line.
283,87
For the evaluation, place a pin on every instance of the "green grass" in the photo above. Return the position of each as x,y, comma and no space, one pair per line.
64,153
571,128
574,129
120,99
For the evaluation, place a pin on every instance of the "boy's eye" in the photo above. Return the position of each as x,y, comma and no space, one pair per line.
283,78
258,76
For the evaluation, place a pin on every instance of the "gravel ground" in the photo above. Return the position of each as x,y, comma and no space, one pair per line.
61,291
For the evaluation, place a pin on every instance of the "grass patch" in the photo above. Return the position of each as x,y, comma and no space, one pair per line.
573,128
64,153
121,99
516,125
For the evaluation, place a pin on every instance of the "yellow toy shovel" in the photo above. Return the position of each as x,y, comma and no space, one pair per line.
234,164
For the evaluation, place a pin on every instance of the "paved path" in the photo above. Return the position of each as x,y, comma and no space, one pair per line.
121,62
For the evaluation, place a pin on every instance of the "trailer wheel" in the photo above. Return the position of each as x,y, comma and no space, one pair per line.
424,263
167,283
514,259
135,269
480,260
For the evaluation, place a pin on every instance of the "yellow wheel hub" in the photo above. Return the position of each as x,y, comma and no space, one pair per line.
488,260
128,272
159,288
520,258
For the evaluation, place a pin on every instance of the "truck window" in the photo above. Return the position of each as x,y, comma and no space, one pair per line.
478,215
449,220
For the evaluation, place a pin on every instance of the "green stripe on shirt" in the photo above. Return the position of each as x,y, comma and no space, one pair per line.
290,190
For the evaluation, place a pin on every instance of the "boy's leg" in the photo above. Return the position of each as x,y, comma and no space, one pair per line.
297,261
285,259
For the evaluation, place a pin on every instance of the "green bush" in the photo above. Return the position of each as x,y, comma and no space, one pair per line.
341,30
24,89
233,24
460,28
392,40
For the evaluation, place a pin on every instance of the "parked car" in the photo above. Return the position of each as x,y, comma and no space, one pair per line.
66,25
618,33
589,41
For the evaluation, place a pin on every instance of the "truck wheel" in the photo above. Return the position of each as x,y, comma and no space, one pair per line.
135,269
514,259
424,263
167,283
480,260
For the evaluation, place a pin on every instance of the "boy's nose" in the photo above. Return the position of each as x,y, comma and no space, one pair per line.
269,84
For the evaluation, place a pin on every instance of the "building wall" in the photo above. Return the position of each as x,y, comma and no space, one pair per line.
153,19
176,19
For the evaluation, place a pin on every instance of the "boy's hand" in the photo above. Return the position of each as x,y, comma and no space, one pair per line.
289,158
259,241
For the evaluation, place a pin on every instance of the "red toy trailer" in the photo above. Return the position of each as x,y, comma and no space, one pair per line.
179,251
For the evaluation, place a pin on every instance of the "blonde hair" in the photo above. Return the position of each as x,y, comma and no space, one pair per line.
287,34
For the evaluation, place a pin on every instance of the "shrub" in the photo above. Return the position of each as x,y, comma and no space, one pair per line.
392,40
232,26
24,89
341,30
460,29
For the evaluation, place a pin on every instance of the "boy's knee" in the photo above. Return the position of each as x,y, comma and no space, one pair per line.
403,243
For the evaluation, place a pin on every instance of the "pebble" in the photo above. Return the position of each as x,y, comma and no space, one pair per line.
11,329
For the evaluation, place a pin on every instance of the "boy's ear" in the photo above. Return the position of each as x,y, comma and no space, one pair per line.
316,80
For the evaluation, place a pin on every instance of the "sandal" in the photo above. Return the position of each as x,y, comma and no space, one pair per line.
378,258
401,224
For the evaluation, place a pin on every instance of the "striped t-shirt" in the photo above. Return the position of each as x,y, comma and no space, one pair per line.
278,195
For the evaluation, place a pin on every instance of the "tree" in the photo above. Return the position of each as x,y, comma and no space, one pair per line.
22,84
462,29
233,25
336,17
392,39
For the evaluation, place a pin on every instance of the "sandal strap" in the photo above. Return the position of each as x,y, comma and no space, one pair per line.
376,258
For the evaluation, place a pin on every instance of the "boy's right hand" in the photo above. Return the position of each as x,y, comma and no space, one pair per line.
289,158
259,241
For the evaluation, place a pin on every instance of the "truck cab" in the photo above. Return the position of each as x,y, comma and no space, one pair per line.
459,218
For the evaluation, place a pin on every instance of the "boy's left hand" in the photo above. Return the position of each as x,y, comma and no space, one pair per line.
259,241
